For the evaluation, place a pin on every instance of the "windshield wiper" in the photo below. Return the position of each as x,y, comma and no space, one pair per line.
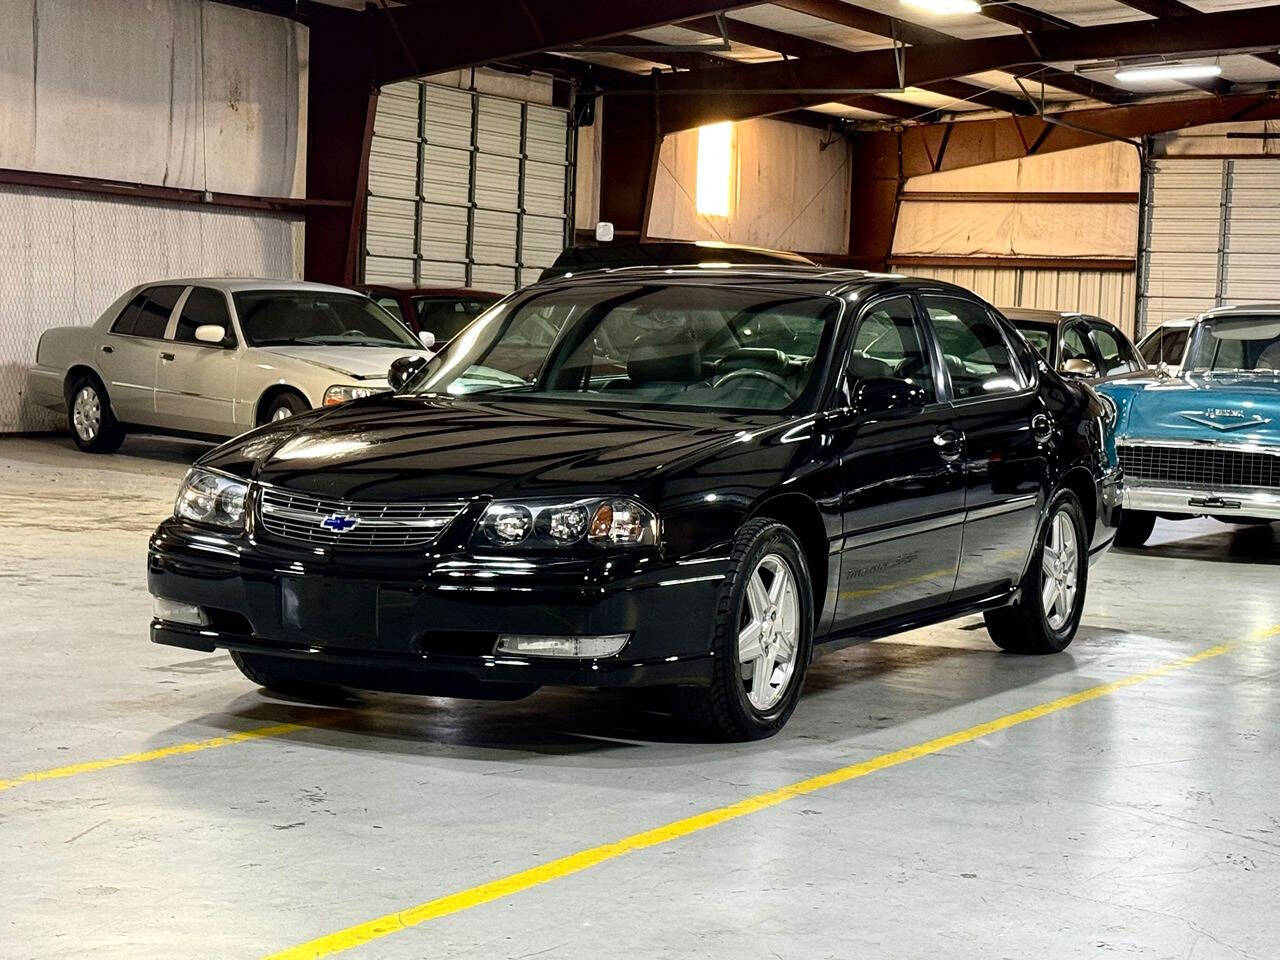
333,341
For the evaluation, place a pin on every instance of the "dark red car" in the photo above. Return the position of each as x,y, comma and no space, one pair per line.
442,310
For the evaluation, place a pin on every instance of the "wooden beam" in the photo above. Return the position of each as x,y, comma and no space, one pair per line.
1109,264
1028,196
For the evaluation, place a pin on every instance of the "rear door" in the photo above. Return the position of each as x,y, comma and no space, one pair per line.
130,354
1006,435
903,499
196,382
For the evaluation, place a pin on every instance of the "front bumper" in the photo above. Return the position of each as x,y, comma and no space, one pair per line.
1193,501
417,624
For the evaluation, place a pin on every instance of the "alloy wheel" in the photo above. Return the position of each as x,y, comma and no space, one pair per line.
281,413
769,632
86,414
1060,567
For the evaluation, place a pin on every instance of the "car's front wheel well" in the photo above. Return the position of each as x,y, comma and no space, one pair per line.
805,520
1080,482
270,396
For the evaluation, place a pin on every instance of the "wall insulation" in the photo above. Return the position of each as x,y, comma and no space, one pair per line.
182,93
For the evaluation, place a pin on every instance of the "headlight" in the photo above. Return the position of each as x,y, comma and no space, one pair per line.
597,521
340,393
213,498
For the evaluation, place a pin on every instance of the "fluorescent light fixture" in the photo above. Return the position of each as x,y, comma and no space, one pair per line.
715,163
945,8
1157,72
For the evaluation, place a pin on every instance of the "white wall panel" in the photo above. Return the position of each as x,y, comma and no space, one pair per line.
67,257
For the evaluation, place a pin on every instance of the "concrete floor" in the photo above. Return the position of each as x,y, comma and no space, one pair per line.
1142,824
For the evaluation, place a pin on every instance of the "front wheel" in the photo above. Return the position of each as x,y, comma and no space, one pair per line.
280,675
763,638
282,407
1047,613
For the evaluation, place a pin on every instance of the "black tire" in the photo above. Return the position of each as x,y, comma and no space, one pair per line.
279,675
1135,528
283,406
90,420
723,710
1026,626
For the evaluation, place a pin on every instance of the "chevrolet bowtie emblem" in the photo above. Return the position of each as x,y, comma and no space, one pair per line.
1226,419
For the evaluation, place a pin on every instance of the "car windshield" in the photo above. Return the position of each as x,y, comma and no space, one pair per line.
1236,344
310,318
676,346
1039,336
447,317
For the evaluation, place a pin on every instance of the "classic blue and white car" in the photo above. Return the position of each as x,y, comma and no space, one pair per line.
1206,442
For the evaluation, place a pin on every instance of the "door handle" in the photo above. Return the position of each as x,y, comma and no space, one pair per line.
108,350
166,356
948,442
1042,427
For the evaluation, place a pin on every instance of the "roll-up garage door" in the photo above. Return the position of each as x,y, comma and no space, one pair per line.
1211,236
465,188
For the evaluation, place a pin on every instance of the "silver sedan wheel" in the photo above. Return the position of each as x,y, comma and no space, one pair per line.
1060,569
86,414
769,632
281,413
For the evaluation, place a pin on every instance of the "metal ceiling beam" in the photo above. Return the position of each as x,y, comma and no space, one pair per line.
408,39
1176,8
904,31
739,92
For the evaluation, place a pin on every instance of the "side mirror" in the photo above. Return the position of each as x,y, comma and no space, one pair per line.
1078,367
403,370
887,394
428,339
211,333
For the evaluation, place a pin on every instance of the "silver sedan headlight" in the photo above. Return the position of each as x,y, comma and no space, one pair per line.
539,524
341,393
213,498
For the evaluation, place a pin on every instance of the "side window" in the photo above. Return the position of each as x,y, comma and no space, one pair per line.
129,315
1073,345
1150,348
391,305
974,347
1115,358
890,343
203,306
153,318
1175,344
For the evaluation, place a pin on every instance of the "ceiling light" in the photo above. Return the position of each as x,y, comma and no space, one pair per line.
1156,72
944,8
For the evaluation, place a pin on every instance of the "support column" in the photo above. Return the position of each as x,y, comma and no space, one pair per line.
341,100
629,145
875,194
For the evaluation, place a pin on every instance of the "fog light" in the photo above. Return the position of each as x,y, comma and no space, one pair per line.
176,612
581,647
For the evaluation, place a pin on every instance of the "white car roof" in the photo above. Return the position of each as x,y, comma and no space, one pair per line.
241,284
1247,309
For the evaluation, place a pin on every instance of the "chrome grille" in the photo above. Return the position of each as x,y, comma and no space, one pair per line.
1207,467
377,526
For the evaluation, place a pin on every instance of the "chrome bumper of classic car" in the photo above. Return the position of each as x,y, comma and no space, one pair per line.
1200,478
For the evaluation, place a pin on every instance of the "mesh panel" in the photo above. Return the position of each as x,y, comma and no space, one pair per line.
1211,467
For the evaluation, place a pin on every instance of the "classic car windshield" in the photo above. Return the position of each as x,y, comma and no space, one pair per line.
1236,344
685,346
305,317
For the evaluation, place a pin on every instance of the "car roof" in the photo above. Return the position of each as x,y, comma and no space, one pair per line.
1055,317
412,288
1241,309
242,284
813,279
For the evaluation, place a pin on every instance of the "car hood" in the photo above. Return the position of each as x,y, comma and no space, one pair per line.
1230,408
359,363
408,448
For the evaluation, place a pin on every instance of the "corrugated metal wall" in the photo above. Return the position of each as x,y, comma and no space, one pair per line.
465,188
1212,237
1105,293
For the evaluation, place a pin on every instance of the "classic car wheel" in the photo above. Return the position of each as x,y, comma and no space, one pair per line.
93,426
1051,598
283,407
1135,527
763,638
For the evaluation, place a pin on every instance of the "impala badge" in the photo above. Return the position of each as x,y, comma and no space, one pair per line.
1221,418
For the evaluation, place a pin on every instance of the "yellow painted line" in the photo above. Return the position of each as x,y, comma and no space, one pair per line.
390,923
160,753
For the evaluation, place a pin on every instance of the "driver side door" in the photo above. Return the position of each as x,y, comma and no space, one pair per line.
902,502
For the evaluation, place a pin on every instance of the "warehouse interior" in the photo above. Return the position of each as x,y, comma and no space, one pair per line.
931,794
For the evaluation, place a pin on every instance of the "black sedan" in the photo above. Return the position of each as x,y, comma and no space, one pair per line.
713,473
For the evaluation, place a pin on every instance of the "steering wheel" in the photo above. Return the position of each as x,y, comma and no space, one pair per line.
745,372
